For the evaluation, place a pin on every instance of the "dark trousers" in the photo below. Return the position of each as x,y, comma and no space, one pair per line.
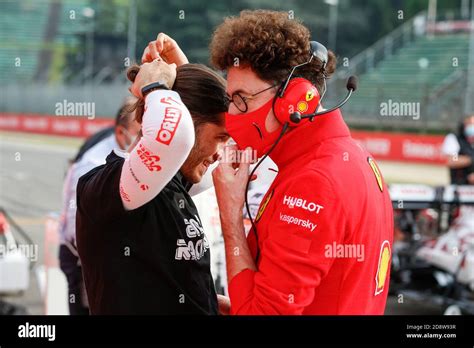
70,266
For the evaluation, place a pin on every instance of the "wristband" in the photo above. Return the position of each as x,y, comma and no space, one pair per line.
153,87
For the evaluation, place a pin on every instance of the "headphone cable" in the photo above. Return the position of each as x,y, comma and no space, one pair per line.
254,228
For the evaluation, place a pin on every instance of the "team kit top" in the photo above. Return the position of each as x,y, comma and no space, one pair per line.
324,229
139,236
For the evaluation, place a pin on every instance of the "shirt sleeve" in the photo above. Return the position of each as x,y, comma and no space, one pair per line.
98,199
77,170
168,137
450,145
308,217
67,195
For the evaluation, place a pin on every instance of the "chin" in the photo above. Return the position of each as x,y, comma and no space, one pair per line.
193,177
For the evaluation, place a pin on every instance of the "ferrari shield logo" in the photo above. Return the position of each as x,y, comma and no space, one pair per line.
376,171
263,206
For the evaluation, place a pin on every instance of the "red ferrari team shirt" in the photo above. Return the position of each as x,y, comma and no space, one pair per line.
324,229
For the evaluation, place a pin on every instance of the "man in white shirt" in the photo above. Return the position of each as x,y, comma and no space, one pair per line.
125,132
459,151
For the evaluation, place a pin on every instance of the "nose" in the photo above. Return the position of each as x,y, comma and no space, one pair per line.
232,110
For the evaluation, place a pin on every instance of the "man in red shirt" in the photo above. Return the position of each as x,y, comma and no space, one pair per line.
324,229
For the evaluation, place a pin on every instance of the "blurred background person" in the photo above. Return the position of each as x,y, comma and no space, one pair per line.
459,151
92,154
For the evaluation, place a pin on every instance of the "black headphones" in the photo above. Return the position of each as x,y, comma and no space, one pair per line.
297,94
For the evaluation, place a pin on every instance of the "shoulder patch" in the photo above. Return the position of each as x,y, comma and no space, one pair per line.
376,171
383,267
263,205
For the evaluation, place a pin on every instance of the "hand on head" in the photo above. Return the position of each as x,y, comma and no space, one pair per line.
166,48
147,73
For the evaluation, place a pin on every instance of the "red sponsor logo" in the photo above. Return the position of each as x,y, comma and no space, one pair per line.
124,195
144,187
169,125
169,101
148,159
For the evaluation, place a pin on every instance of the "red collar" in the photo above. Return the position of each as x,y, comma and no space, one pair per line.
301,140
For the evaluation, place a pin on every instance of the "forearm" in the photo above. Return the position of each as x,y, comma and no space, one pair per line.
238,256
458,162
168,136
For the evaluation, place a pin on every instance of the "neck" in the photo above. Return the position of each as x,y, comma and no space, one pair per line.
132,146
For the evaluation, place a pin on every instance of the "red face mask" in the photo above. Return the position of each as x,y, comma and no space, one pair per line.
248,130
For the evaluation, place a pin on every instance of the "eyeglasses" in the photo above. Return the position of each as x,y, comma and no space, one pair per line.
241,102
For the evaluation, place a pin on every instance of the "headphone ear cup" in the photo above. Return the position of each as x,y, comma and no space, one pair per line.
300,96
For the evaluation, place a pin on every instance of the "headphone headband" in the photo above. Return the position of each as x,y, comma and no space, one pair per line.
317,50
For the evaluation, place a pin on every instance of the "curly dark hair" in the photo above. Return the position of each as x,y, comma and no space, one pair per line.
270,44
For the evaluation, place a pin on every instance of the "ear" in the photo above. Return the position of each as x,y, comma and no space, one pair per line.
119,133
118,130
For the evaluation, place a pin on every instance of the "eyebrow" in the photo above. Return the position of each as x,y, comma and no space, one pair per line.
240,90
223,134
